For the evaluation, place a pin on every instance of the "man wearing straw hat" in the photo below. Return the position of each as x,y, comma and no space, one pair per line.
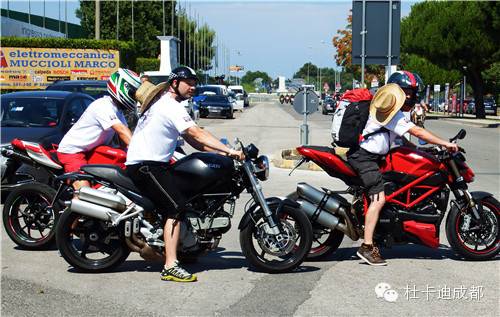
162,120
386,117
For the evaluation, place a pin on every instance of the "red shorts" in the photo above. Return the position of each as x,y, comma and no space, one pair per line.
72,162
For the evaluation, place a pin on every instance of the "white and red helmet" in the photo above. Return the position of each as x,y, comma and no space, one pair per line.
122,86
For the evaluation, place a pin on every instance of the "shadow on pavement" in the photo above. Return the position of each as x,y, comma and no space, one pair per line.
409,251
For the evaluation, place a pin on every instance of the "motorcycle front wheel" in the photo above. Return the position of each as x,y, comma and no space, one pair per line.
29,217
472,239
88,244
267,253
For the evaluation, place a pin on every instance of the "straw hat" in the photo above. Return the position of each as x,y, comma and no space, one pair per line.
386,103
146,92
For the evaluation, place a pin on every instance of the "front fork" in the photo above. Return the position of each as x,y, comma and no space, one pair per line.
272,227
462,187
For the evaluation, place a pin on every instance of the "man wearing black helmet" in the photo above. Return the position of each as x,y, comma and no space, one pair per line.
385,123
162,120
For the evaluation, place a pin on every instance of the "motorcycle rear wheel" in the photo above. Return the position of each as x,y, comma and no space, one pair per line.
28,217
325,242
267,255
81,240
479,242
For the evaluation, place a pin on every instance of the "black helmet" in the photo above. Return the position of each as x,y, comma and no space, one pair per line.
408,80
182,72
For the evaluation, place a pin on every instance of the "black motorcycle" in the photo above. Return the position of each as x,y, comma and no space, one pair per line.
98,229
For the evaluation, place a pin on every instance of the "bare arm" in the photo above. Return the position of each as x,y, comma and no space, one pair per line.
123,132
431,138
204,141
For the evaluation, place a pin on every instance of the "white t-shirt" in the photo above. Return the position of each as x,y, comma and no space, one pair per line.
94,127
379,143
156,133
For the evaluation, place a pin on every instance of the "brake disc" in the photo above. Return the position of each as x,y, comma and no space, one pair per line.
271,245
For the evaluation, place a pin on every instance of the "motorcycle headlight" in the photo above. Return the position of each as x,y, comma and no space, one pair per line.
262,167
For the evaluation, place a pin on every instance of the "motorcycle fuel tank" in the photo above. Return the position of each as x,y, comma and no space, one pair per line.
203,173
409,161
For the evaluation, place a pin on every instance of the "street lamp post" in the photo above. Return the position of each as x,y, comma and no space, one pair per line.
464,93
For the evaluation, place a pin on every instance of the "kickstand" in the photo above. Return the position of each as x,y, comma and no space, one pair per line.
302,160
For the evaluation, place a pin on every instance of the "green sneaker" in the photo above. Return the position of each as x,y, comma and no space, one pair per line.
177,274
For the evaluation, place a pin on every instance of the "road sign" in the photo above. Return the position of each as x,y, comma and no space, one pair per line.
312,102
377,31
437,87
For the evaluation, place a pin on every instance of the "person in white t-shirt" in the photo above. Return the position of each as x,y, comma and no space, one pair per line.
99,123
385,123
163,119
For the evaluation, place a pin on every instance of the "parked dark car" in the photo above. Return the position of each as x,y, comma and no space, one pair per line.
216,105
470,106
94,88
38,116
490,106
328,106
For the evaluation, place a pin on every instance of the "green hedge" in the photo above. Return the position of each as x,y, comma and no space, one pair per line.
147,64
127,49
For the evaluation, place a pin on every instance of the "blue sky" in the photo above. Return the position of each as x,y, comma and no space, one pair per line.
273,36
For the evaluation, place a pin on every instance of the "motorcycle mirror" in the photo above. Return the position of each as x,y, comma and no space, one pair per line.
460,135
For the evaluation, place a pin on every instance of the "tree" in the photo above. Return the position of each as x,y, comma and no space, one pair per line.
148,23
461,36
343,44
250,76
430,73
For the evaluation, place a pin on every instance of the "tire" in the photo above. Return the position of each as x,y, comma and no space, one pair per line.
293,221
325,240
31,227
72,236
467,244
230,115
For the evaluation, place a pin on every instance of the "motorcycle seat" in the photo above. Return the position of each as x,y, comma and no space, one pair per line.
111,173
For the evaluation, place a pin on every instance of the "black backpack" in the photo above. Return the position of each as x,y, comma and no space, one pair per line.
350,117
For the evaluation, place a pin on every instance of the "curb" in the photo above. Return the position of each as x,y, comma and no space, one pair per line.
472,123
466,121
288,158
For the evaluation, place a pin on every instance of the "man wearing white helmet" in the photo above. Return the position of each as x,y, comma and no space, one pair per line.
99,123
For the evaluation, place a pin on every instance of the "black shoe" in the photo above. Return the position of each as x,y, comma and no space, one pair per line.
177,274
371,255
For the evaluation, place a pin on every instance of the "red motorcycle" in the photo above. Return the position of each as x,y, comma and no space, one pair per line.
418,183
30,212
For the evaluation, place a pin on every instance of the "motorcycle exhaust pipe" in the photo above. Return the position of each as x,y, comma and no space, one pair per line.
92,210
321,216
102,198
310,198
315,196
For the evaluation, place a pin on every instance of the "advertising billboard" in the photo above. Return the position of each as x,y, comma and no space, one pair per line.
36,68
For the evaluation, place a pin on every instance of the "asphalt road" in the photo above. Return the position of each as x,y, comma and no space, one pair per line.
428,281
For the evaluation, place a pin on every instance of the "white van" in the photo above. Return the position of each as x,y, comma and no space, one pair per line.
241,94
211,89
